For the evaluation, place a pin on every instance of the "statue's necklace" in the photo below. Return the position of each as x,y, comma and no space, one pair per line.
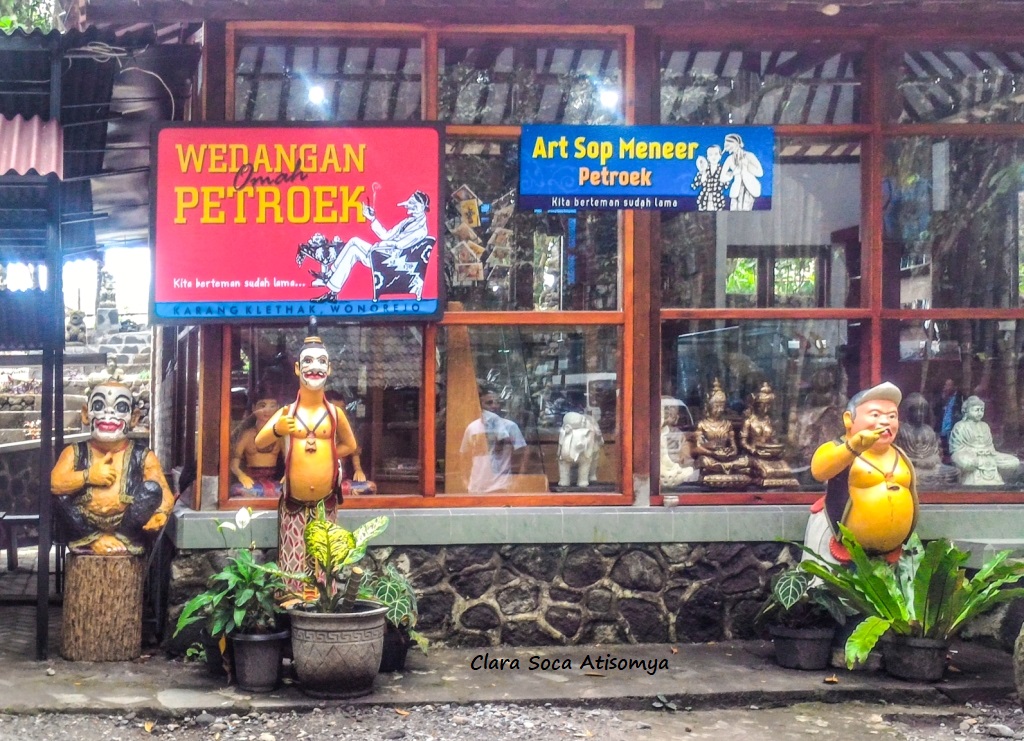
889,483
311,431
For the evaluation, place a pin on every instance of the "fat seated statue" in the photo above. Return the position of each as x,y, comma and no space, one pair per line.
974,453
110,490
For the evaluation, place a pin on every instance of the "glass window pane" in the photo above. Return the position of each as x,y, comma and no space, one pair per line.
494,81
951,223
811,369
376,373
499,259
958,85
940,366
819,84
506,396
379,80
805,252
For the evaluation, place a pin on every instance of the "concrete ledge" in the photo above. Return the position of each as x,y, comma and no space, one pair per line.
976,526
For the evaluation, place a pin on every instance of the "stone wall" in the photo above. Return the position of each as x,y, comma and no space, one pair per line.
524,595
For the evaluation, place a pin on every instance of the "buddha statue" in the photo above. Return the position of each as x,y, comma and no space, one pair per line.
974,453
676,461
757,438
918,439
718,458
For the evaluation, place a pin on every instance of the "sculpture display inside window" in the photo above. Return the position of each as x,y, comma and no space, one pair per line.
974,453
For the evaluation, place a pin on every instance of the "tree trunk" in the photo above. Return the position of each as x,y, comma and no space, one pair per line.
102,608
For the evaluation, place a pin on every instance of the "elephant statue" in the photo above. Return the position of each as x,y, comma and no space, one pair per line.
579,444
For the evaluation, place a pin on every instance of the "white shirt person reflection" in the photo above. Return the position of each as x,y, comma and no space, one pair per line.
495,446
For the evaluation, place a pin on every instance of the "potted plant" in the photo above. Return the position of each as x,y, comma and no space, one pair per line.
392,588
241,605
337,639
803,618
920,604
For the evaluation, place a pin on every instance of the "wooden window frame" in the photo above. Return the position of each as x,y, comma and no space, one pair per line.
432,37
873,132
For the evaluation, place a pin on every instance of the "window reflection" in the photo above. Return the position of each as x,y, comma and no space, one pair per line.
492,81
807,366
959,85
499,259
951,223
376,374
819,84
516,402
803,253
327,80
940,367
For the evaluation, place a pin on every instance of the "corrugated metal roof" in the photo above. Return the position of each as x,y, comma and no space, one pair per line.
31,146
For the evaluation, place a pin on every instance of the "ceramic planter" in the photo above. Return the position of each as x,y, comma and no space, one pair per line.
258,660
914,659
337,655
802,648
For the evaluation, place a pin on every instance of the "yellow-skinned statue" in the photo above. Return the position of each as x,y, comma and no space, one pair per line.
316,436
871,487
110,490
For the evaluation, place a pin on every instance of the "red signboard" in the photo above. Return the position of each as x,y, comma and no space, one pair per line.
259,222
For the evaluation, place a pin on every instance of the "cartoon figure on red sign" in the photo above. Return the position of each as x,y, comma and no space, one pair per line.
398,260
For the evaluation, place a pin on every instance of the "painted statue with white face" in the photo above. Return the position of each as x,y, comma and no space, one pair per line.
110,490
316,435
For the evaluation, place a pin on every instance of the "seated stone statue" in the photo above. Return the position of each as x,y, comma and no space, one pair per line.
718,458
757,438
974,453
918,439
676,461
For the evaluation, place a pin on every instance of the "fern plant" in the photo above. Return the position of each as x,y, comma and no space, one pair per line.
331,578
925,595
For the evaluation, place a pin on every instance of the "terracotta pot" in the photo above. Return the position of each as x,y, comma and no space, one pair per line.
802,648
337,655
258,660
914,659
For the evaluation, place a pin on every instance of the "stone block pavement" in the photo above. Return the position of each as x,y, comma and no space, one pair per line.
699,676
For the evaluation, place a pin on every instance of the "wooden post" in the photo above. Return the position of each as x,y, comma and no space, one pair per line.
102,608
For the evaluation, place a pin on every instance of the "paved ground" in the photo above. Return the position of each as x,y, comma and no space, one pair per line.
722,690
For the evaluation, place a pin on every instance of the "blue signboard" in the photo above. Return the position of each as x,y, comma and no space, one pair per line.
672,168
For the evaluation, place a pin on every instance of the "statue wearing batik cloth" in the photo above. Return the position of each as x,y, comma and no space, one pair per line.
110,490
316,435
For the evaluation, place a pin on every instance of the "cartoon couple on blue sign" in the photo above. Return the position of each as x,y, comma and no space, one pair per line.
740,173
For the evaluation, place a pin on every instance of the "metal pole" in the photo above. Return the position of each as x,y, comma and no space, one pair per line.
52,422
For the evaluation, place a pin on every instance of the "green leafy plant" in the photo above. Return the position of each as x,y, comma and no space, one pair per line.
332,582
196,653
242,597
393,589
796,601
925,595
